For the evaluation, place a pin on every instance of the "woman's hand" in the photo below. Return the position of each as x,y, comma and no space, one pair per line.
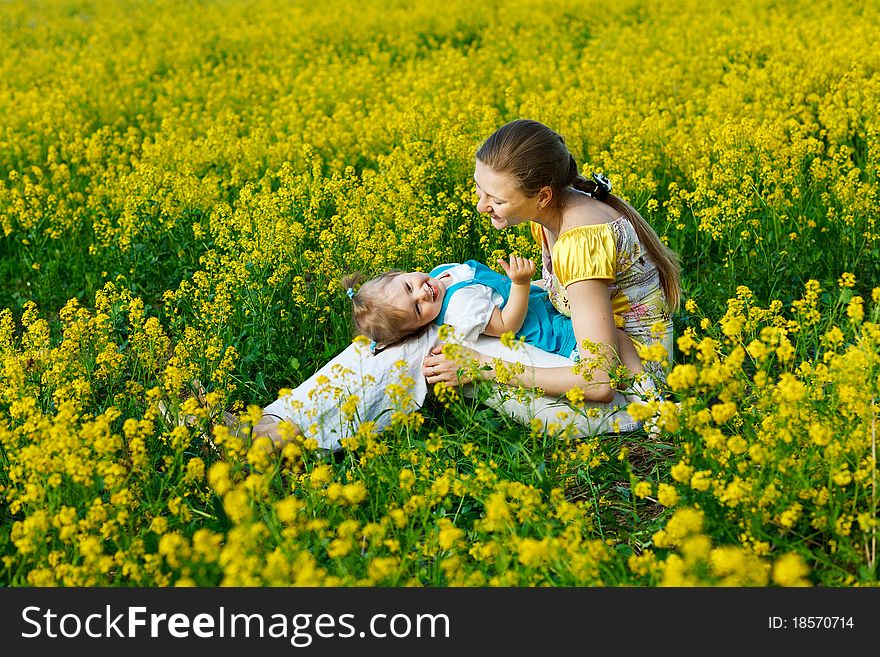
438,368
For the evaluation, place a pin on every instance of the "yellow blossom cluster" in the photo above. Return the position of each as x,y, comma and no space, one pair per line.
776,424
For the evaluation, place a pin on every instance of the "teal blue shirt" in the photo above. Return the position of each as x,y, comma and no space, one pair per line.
544,326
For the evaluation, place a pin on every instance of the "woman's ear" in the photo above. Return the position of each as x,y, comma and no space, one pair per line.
545,197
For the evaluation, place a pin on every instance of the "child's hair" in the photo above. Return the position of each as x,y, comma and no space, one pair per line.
371,313
536,156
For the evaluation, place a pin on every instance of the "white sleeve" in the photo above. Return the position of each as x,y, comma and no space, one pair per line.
470,310
318,405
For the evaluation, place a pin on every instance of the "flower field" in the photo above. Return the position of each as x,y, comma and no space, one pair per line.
182,186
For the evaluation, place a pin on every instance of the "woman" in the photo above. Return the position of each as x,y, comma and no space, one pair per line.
602,264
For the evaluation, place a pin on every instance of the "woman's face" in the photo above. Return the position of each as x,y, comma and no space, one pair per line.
501,199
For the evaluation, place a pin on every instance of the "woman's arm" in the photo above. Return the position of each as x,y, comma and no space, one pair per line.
593,321
554,381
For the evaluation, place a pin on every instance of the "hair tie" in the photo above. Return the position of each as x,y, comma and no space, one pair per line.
603,186
350,293
373,347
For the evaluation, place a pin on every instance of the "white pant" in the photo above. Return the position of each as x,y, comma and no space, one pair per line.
392,381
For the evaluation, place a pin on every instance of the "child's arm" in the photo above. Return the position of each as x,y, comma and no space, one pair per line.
520,271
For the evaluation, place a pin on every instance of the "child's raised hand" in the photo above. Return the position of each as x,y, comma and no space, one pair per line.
519,270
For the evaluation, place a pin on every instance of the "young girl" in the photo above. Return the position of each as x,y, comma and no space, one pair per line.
470,297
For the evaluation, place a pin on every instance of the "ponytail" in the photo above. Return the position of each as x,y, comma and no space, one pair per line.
665,258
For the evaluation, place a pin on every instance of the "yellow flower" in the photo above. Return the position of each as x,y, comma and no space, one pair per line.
842,475
721,413
340,547
686,342
667,495
640,411
398,517
450,535
497,512
532,552
856,309
354,493
791,515
682,377
406,479
790,389
732,326
758,349
195,470
833,336
681,472
380,568
643,489
790,570
820,434
174,548
575,396
288,509
701,480
237,505
321,475
218,477
508,339
737,444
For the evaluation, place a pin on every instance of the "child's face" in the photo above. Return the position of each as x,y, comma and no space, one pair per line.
418,296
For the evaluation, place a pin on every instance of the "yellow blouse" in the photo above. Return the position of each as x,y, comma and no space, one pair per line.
613,252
